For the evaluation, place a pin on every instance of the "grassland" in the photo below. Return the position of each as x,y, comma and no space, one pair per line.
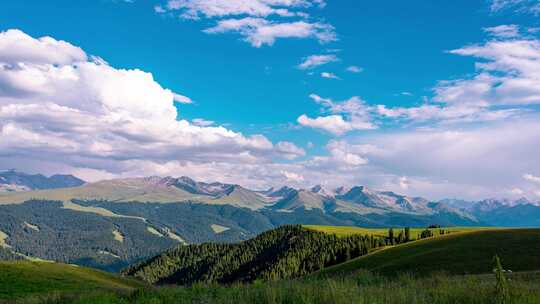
453,268
23,279
458,253
383,232
3,238
358,288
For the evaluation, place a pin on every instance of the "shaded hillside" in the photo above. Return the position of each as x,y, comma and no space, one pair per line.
286,252
459,253
112,239
12,180
22,279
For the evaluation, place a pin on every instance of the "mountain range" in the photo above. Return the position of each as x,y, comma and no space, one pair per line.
110,224
13,181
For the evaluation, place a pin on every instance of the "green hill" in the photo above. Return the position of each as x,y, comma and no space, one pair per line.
21,279
457,253
285,252
383,232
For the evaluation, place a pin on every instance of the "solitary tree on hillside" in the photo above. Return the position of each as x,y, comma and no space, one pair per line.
391,235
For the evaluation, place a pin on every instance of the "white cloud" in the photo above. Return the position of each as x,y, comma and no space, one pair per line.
293,177
334,124
509,74
522,6
56,106
517,191
201,122
195,9
532,178
350,155
461,160
507,82
260,22
289,150
314,61
349,115
503,31
159,9
404,183
355,69
340,167
17,47
259,31
329,75
182,99
436,163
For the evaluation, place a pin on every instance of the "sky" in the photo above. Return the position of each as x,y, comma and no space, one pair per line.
431,98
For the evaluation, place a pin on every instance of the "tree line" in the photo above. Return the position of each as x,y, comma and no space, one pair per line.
286,252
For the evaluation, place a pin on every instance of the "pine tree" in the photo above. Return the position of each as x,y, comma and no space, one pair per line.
407,234
501,285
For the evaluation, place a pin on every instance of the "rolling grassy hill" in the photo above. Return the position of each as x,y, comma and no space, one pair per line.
23,278
356,281
458,253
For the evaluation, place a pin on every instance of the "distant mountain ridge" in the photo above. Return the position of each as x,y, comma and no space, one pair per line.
112,223
358,199
11,181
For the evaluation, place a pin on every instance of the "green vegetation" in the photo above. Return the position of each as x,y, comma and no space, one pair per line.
460,267
24,278
457,253
383,232
282,253
79,237
357,288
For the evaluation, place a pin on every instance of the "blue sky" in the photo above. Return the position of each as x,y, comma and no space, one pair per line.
410,89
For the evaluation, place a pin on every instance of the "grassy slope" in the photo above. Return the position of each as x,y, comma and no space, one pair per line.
364,288
383,232
458,253
23,278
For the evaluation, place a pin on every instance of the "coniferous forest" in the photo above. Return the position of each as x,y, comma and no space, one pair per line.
287,252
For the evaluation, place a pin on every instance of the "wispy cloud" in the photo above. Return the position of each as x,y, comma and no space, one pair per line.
354,69
314,61
260,22
532,178
329,75
259,31
503,31
522,6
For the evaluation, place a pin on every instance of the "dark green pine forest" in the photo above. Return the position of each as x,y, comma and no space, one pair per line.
287,252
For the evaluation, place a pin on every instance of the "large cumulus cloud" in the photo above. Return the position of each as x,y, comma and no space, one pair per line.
59,104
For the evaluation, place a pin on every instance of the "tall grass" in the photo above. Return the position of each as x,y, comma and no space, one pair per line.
359,288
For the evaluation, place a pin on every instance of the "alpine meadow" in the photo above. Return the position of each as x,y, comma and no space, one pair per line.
269,152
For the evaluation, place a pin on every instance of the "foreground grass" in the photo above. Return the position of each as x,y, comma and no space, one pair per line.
358,288
23,278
